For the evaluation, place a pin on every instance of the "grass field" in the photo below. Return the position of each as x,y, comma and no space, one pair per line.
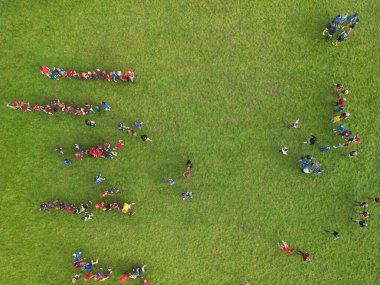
216,82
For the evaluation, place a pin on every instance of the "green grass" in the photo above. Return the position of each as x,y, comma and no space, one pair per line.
217,82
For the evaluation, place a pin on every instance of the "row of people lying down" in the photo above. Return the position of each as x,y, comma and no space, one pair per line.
56,105
86,207
56,73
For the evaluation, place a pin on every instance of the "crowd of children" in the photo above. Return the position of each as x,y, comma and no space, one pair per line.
56,105
309,166
138,125
86,268
343,23
56,73
342,114
104,150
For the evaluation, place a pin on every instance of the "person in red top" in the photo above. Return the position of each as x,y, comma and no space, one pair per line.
119,144
88,276
73,73
284,247
130,75
125,277
364,214
109,76
340,102
305,255
187,175
45,70
100,205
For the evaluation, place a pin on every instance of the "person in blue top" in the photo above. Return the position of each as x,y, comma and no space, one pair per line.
339,19
325,148
344,35
352,18
66,162
328,33
106,106
98,179
89,265
53,75
77,254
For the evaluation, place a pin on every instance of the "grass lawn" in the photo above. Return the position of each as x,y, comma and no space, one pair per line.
216,82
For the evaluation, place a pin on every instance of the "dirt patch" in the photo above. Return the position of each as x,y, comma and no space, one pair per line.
160,130
231,119
232,107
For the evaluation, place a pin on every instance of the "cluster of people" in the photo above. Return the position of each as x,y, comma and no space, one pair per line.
56,105
56,73
341,23
86,268
125,208
309,166
138,125
69,208
136,272
286,248
103,150
186,175
341,114
363,213
85,208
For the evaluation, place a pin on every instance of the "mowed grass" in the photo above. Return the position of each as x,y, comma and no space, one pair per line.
216,82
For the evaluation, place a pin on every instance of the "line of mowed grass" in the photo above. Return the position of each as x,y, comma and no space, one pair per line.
216,82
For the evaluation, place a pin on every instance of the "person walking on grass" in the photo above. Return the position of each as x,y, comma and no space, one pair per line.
295,125
364,214
361,223
361,204
352,154
59,150
145,138
312,141
376,200
285,247
335,234
305,255
283,150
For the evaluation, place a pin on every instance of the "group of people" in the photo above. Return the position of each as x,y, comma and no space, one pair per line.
56,73
87,268
342,114
104,150
106,206
56,105
186,175
309,166
69,208
363,213
341,23
136,272
138,125
286,248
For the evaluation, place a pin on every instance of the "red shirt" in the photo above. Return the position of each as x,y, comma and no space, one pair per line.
187,175
124,278
364,214
305,256
109,76
100,205
119,145
88,276
340,102
45,69
73,73
287,249
130,74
